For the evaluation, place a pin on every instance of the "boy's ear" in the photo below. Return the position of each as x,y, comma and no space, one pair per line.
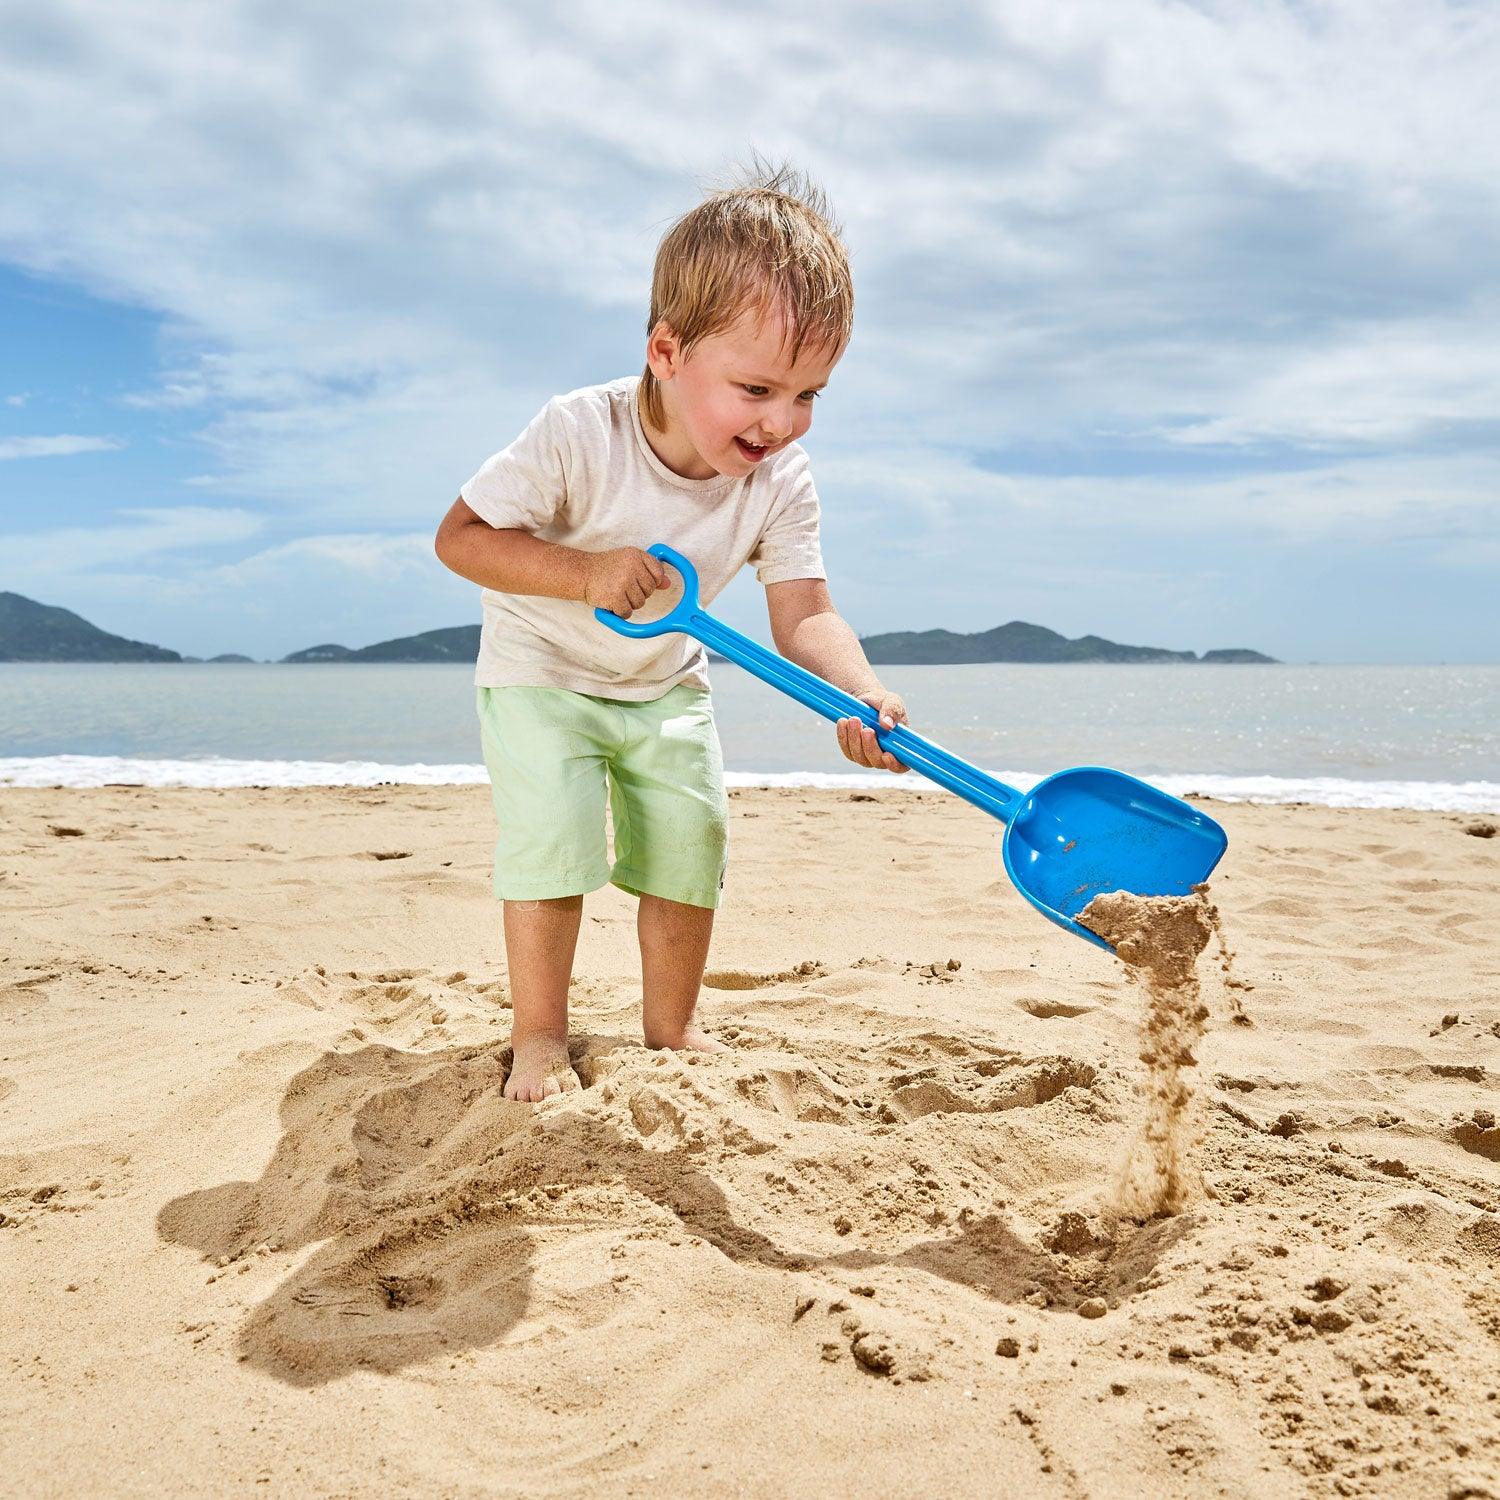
663,351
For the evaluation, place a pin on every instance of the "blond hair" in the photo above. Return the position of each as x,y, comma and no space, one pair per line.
766,244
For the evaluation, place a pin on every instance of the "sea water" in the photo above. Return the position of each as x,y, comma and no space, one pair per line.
1344,736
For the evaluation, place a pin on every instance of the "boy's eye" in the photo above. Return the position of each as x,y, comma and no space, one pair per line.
760,390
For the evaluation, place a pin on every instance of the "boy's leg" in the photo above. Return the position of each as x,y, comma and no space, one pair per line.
545,749
540,939
674,948
671,838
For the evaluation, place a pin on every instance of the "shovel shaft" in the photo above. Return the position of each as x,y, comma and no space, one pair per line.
911,749
939,765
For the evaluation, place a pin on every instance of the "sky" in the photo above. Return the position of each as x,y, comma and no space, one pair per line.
1177,323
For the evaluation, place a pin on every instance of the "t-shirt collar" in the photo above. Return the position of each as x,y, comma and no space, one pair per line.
713,482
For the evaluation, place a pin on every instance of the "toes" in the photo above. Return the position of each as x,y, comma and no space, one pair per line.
550,1087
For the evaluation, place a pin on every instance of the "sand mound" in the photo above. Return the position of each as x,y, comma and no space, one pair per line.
429,1194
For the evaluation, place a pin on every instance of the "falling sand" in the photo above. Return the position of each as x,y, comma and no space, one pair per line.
1159,939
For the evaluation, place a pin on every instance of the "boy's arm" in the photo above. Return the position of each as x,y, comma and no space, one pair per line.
808,630
515,562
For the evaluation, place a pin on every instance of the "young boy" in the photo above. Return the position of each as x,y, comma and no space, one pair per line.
751,309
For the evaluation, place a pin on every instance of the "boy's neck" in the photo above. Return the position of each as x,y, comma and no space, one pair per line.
673,449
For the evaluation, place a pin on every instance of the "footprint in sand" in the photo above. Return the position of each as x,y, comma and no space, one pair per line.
798,1091
405,1006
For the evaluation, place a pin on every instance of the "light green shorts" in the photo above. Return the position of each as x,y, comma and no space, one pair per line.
550,754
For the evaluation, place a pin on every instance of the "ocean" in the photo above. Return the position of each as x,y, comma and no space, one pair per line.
1342,736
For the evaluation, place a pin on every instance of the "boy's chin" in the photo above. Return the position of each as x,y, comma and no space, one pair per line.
732,465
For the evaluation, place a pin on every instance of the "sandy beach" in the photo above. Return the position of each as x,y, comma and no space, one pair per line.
267,1225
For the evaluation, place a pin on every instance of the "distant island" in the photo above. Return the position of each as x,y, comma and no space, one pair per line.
455,643
1020,642
42,632
45,633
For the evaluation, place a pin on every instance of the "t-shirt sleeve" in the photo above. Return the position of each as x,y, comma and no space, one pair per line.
789,547
523,487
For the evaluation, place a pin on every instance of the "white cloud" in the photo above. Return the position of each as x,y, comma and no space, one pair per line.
62,445
19,399
156,575
373,557
138,536
1378,387
1104,214
944,506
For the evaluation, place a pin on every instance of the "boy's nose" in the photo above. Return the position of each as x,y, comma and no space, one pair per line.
785,428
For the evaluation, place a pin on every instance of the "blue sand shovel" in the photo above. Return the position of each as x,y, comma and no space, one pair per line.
1073,835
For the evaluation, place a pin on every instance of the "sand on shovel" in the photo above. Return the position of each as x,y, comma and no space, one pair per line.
1159,939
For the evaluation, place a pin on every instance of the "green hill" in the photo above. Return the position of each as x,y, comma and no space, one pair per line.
458,643
319,654
454,643
44,632
1020,642
1015,642
1235,656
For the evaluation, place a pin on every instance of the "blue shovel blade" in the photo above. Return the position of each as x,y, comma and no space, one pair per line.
1089,830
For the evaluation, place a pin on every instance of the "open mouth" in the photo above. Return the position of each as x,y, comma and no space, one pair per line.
751,450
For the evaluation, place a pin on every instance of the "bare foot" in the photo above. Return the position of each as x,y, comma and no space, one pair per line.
539,1069
691,1040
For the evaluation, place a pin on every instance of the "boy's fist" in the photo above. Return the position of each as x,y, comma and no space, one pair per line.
857,740
622,579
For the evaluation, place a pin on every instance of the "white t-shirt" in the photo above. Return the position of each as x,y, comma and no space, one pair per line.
584,475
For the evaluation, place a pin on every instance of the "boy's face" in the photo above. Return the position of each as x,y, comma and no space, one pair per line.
735,397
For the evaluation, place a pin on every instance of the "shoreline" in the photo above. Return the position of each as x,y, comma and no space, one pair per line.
85,771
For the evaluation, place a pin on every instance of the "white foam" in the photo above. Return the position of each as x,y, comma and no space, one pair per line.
213,771
1336,791
1325,791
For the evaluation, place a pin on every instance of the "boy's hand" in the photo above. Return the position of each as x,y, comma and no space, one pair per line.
857,740
622,579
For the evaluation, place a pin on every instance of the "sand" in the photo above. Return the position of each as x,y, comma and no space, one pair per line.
270,1228
1159,939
